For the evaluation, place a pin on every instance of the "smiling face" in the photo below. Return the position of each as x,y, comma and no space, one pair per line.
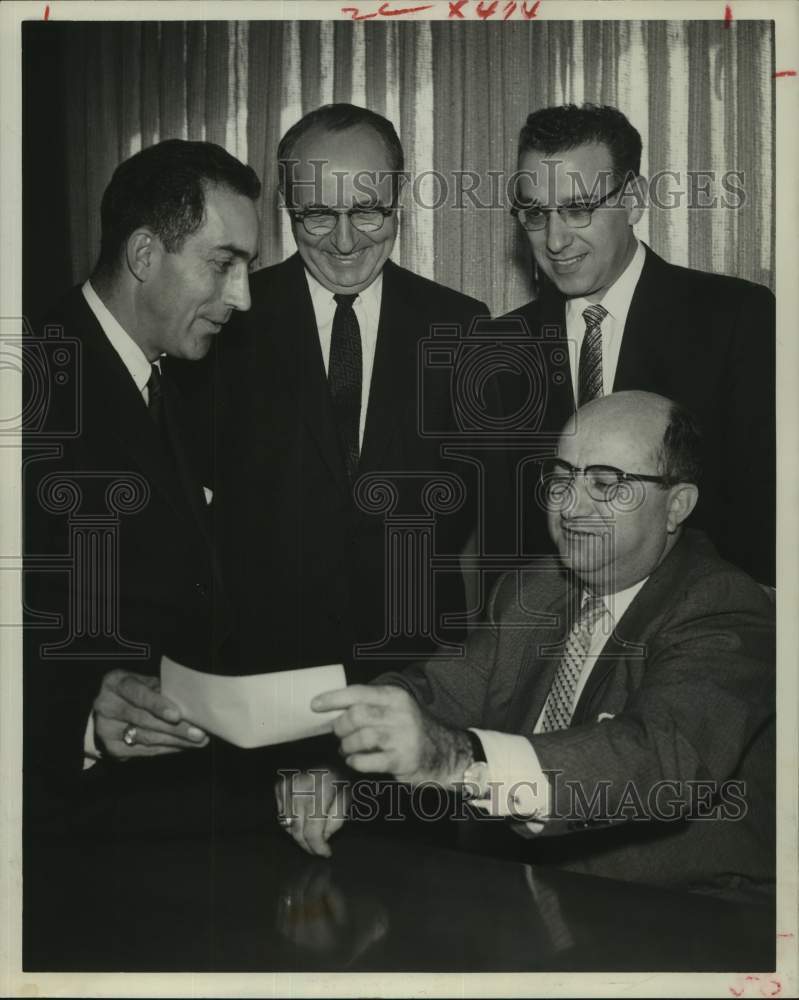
611,548
580,262
187,296
352,168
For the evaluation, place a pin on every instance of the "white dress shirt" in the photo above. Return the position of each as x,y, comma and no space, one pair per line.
131,355
367,311
135,361
617,301
512,760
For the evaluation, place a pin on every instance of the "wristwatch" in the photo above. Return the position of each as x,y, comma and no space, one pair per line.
474,783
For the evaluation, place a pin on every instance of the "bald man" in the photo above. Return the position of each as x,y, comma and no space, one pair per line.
618,708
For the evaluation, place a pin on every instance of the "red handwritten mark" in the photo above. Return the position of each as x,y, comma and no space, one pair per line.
456,7
509,8
531,13
766,988
785,72
356,14
787,934
47,13
384,12
727,16
484,12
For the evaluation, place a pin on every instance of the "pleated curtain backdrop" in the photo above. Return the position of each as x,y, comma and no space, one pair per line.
700,93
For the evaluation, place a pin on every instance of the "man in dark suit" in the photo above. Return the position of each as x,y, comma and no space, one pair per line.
620,707
634,321
332,492
119,565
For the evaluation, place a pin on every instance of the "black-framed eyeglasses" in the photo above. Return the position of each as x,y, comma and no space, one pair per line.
603,483
534,217
321,221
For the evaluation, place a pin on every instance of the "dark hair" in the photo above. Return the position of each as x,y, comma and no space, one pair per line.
557,129
679,457
163,187
338,118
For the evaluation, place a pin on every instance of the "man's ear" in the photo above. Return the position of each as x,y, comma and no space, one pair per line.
140,251
635,196
403,188
682,500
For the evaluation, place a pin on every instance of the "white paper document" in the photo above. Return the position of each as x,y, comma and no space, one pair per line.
257,710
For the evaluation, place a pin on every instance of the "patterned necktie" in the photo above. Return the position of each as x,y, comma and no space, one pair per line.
589,381
559,706
344,377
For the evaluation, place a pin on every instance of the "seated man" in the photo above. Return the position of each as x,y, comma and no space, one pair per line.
618,706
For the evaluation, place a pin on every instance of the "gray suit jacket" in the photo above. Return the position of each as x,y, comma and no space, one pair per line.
684,690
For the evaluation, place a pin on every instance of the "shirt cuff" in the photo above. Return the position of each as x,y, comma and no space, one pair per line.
90,752
516,785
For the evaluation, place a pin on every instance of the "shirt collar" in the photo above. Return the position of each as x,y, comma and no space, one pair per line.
618,603
126,347
323,298
618,297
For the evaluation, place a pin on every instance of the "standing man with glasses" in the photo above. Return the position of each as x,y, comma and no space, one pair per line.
620,715
634,321
321,386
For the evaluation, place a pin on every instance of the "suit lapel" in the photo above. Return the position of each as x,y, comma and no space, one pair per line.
290,326
114,404
646,328
561,402
394,368
186,472
628,641
539,662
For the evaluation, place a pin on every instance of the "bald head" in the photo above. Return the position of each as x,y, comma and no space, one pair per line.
614,539
628,425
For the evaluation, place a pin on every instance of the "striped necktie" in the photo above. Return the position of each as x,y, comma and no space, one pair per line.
589,379
559,706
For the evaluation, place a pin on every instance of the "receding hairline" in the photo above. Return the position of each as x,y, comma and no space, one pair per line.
320,128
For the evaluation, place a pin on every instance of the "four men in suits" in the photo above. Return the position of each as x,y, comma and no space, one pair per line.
620,708
630,320
119,564
323,427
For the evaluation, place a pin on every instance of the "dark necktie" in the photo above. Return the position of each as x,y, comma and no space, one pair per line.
155,403
589,380
155,399
344,377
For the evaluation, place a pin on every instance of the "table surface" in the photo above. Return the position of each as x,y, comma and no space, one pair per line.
252,903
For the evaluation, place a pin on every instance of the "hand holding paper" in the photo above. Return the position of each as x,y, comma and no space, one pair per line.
253,711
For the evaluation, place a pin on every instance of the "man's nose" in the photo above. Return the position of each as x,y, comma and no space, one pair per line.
345,234
559,235
237,289
582,505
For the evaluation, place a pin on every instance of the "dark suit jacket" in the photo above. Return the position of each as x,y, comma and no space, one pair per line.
708,342
145,541
307,565
687,679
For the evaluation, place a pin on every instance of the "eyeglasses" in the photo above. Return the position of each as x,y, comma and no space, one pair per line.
321,221
575,216
603,483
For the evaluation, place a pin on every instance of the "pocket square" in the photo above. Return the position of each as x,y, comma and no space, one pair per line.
209,495
605,715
